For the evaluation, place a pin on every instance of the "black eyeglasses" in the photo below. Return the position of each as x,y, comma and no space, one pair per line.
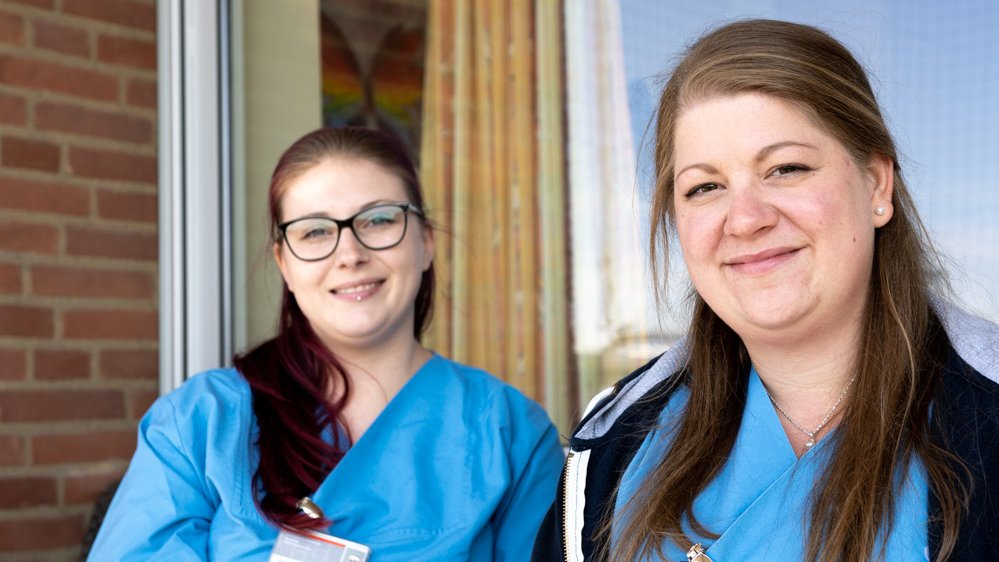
376,228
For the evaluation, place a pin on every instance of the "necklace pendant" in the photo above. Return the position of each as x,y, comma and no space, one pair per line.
810,442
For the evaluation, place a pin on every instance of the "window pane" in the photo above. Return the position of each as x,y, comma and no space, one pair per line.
935,70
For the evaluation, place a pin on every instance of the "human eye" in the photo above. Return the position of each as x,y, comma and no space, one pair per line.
312,230
379,217
700,189
788,169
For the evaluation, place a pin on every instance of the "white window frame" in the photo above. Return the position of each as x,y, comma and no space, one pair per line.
195,189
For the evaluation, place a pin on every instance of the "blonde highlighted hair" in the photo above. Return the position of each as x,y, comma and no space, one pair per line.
886,422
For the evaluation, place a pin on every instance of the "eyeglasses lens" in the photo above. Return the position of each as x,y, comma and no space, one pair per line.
376,228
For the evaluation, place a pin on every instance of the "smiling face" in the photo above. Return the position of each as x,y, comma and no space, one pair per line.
357,298
775,219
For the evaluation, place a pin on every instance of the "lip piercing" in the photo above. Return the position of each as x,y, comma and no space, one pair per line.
358,298
880,211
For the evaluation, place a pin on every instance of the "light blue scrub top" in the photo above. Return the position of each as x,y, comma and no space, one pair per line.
458,467
759,500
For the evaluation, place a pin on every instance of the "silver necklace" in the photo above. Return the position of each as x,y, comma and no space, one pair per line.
825,420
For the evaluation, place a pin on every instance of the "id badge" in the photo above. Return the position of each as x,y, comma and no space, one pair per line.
316,547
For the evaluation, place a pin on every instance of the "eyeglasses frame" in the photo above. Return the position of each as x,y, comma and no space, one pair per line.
348,223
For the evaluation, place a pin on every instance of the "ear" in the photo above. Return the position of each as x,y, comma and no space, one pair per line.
428,246
881,173
282,265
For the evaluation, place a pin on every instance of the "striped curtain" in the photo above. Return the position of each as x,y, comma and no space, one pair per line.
493,167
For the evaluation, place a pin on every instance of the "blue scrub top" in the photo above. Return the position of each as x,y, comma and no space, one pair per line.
459,466
758,503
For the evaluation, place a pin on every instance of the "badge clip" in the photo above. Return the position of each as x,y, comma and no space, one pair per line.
310,508
697,554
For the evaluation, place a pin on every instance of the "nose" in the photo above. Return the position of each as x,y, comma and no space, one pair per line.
349,252
749,211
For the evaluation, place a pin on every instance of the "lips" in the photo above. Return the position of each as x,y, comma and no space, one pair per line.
758,263
357,290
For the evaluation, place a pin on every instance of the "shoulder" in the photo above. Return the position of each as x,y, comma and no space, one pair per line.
634,402
208,408
966,411
975,340
484,402
221,391
478,385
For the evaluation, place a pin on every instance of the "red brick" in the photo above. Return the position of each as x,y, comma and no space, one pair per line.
84,121
44,197
61,364
13,110
28,237
110,324
10,279
54,77
123,12
11,28
37,533
140,401
85,241
83,447
112,165
62,38
90,282
57,405
11,450
26,321
36,3
27,491
136,53
31,154
129,364
127,206
86,487
141,93
13,365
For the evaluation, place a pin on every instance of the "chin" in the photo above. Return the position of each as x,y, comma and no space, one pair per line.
773,319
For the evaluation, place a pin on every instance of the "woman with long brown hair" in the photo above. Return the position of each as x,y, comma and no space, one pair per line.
824,404
342,438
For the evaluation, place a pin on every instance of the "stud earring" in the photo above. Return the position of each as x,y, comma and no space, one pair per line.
880,211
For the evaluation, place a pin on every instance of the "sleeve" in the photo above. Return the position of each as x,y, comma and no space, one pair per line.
163,505
536,459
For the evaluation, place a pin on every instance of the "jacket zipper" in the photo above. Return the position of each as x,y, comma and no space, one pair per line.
565,507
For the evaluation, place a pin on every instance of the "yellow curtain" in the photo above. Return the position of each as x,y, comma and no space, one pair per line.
493,167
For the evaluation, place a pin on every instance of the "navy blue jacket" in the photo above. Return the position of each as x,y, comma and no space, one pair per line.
966,413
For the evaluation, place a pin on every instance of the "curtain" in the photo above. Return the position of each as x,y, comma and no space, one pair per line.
493,167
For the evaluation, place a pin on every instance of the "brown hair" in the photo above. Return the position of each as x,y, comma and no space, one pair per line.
290,375
886,421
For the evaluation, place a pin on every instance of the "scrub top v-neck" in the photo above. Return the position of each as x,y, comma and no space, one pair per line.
459,466
759,501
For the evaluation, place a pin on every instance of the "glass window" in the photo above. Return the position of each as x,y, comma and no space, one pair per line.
935,70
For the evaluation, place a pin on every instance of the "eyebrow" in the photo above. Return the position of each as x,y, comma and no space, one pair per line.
770,148
760,156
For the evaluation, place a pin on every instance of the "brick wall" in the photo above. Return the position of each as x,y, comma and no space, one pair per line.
78,309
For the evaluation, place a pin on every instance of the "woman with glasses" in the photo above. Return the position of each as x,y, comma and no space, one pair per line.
826,404
342,438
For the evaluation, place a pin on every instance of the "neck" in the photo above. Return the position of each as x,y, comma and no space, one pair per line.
809,367
792,376
808,381
387,366
376,375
